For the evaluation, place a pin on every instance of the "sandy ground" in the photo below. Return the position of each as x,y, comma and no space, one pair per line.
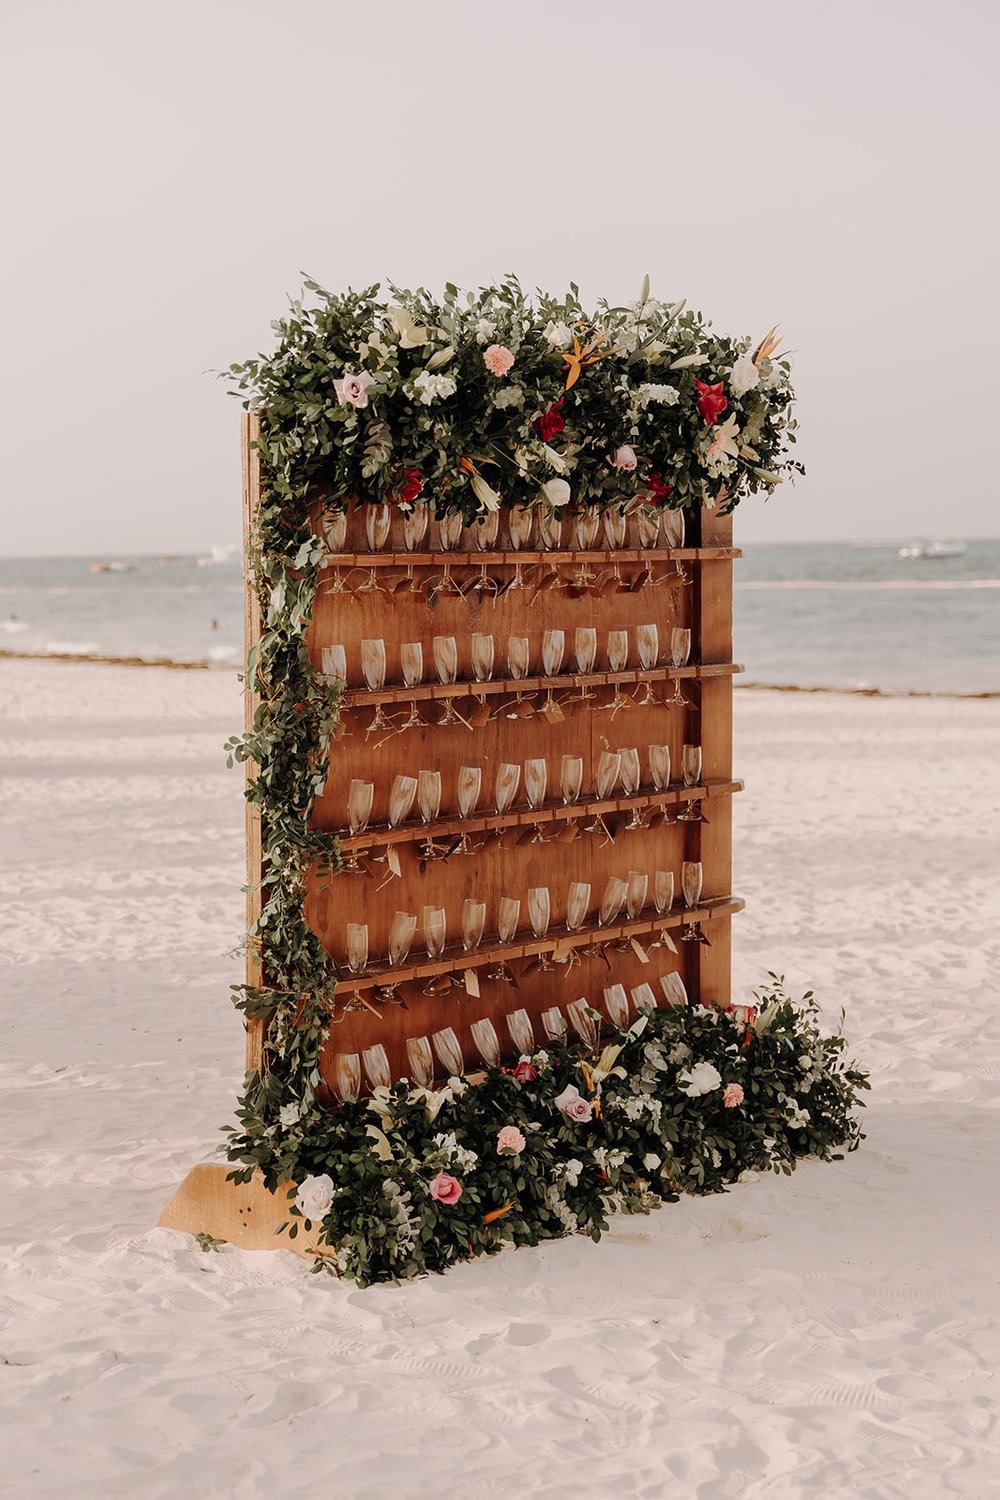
832,1334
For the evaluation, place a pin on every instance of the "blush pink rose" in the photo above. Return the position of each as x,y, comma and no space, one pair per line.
733,1095
352,390
625,458
573,1105
445,1189
498,359
509,1138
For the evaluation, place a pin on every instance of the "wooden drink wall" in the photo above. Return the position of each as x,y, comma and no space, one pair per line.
553,715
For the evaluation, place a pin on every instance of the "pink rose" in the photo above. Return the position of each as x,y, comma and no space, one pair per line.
352,390
445,1189
573,1105
498,359
525,1072
733,1095
625,458
510,1139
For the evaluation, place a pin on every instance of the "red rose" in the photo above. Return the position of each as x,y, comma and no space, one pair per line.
550,423
658,489
407,486
711,402
525,1072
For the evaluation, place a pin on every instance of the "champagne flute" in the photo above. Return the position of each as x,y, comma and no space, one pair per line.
518,656
570,778
613,899
521,1031
582,1020
647,527
647,641
691,765
445,649
360,795
680,646
553,1024
577,902
550,530
659,766
673,528
536,775
484,1034
411,661
586,524
376,1061
429,803
663,890
507,914
585,648
617,650
335,530
643,998
420,1060
401,797
674,991
373,671
449,531
691,881
357,947
378,519
615,523
435,929
616,1004
631,778
609,768
519,523
481,647
347,1076
635,897
470,781
450,1053
553,646
415,526
487,529
334,659
473,923
508,779
401,934
539,909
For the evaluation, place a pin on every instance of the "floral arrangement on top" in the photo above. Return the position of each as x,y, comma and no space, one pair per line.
493,399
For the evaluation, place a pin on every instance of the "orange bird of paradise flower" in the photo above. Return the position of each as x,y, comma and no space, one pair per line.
580,357
767,347
497,1213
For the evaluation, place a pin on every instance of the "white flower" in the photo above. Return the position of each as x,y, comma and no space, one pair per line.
744,376
428,387
558,335
485,493
314,1197
508,395
485,330
701,1079
352,390
556,492
795,1117
289,1115
624,459
456,1155
651,1161
571,1171
408,334
668,395
679,1054
555,460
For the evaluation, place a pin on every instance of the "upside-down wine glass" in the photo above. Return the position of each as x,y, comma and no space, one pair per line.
586,524
663,900
481,659
518,665
553,647
378,520
508,911
691,776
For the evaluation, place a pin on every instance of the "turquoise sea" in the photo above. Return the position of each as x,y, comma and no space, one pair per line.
831,615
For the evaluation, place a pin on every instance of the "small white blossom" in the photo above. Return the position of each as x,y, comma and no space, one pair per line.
508,395
667,395
289,1115
795,1117
558,335
744,376
679,1054
428,388
485,330
703,1078
651,1161
571,1171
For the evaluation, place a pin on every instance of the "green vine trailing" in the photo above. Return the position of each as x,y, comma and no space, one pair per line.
468,404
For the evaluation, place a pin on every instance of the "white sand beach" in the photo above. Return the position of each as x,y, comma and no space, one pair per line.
835,1333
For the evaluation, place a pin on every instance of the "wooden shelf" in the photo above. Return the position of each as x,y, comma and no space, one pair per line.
358,697
455,960
550,812
508,557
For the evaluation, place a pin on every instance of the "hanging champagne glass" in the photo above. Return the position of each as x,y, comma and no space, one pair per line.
449,1052
613,899
553,1023
420,1060
635,898
617,1006
674,991
691,881
570,778
435,930
429,803
401,798
347,1076
582,1021
586,524
448,532
577,903
484,1034
401,934
376,1061
473,923
445,649
521,1031
411,661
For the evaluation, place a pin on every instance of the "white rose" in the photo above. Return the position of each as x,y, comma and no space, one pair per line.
314,1197
651,1161
557,334
556,492
701,1079
289,1115
744,376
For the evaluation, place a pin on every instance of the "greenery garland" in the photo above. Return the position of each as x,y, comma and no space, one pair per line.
467,404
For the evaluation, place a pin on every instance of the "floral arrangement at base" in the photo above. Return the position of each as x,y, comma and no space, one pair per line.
413,1180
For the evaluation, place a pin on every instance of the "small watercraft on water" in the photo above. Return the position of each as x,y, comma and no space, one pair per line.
112,567
932,549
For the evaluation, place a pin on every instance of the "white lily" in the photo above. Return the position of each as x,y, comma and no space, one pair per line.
485,493
687,362
409,335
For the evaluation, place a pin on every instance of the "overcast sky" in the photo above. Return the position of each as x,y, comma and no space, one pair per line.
173,168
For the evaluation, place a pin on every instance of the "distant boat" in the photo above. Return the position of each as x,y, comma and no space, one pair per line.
112,567
933,549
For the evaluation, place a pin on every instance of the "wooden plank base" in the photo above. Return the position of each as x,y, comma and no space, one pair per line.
245,1214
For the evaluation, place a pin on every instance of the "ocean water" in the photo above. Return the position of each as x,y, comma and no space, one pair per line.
832,615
